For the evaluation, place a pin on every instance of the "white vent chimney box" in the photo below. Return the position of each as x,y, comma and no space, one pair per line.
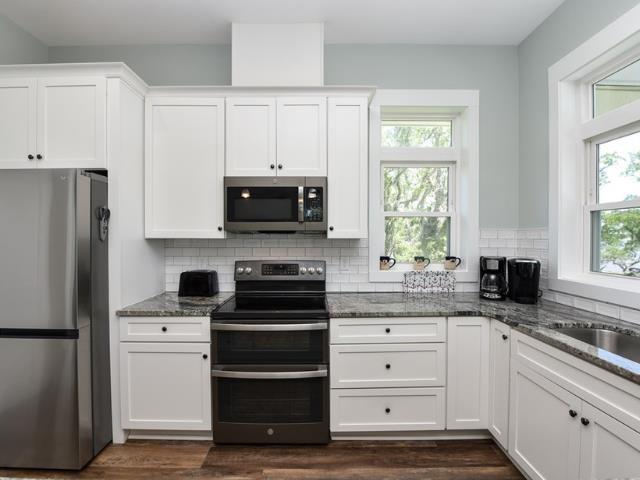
283,55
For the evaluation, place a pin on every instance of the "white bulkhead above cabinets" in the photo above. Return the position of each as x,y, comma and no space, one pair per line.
196,138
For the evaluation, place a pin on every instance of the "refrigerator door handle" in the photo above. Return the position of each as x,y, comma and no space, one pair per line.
103,214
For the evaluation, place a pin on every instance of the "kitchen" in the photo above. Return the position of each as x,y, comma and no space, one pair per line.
310,244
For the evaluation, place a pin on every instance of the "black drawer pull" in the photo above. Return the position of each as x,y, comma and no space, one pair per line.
387,410
573,413
164,329
388,330
504,337
584,421
388,366
205,356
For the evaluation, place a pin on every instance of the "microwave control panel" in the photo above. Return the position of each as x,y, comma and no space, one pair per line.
313,200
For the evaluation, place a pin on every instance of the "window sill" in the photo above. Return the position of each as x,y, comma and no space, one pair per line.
605,288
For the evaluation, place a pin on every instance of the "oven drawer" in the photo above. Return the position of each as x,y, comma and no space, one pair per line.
387,409
164,329
394,365
388,330
268,343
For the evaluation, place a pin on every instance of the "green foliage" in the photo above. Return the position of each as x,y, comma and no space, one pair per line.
620,240
416,189
417,134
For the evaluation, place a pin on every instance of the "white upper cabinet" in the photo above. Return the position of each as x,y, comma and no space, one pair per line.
72,115
467,372
17,123
302,136
184,167
499,382
53,122
251,136
348,159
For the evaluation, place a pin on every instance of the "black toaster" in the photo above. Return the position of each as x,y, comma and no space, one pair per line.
198,283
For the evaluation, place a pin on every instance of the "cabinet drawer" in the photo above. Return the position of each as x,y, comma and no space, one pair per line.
164,329
387,409
388,330
393,365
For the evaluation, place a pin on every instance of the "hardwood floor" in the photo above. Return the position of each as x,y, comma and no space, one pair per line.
428,460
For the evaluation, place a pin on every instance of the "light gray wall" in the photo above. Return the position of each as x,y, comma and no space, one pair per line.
159,64
569,26
492,70
19,46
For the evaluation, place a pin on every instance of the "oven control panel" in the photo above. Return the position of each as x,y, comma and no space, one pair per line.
298,270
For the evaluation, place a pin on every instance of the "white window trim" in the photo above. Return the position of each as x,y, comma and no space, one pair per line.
572,132
464,196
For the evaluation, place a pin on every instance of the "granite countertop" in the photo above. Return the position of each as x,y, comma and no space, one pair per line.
168,304
537,321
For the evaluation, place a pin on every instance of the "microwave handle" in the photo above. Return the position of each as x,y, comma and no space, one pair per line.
300,204
287,327
322,372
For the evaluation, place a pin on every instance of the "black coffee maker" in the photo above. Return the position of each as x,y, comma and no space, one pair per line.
493,278
524,280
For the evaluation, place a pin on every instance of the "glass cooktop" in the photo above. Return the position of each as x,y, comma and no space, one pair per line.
273,306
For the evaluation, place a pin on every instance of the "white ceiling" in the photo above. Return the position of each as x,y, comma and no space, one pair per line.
122,22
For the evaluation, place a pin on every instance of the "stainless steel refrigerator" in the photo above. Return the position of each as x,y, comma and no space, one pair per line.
55,399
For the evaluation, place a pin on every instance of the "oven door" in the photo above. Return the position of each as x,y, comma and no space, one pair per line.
254,204
270,403
265,342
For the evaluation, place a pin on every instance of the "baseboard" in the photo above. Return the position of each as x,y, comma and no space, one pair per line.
170,435
421,435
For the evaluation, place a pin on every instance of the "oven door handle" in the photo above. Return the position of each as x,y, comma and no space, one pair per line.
285,327
322,372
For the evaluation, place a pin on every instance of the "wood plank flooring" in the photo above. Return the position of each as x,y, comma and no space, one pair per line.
344,460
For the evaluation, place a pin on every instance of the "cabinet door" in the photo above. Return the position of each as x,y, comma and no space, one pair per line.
499,382
251,136
609,449
544,439
348,161
184,167
302,136
17,123
468,372
72,122
165,386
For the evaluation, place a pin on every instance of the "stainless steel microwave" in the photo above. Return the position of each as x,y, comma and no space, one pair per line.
275,204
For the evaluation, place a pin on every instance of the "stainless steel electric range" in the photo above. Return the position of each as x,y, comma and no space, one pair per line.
270,355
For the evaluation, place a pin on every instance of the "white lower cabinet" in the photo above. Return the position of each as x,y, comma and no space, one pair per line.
165,385
468,373
499,382
609,449
387,409
544,437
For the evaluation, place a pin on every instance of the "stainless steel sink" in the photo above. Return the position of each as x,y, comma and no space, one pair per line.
627,346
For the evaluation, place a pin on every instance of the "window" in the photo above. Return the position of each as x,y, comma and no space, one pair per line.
417,164
615,222
594,194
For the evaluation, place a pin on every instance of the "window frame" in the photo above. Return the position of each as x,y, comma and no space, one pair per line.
574,132
462,158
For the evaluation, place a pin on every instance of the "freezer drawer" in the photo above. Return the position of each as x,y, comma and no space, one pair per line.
41,421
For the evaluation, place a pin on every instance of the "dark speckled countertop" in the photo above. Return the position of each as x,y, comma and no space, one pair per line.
537,321
168,304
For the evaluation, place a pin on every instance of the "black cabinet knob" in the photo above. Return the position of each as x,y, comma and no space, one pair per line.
39,157
504,337
164,329
272,166
331,228
388,330
387,410
219,229
573,413
584,421
387,366
30,157
205,356
279,166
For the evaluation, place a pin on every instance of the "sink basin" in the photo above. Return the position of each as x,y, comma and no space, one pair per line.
621,344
